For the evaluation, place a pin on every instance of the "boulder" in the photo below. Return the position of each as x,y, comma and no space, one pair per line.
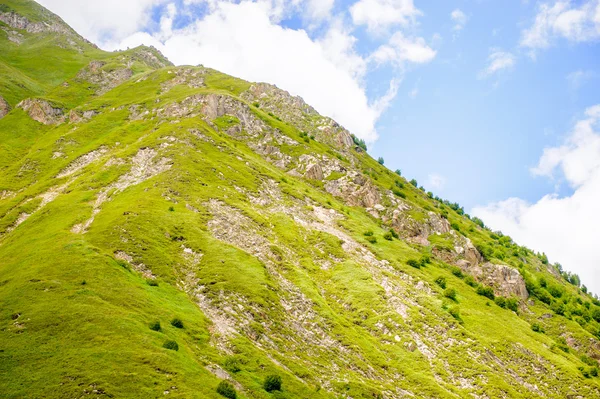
42,111
4,107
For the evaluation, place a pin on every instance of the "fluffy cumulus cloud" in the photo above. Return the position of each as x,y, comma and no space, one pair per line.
99,21
566,228
459,18
574,21
247,39
498,61
379,15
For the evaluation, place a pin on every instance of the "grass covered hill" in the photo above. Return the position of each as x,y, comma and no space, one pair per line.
176,232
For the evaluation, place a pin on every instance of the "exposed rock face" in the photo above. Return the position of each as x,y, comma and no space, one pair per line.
317,167
418,231
17,21
151,56
293,110
42,111
191,77
14,36
355,189
505,280
81,116
105,79
4,107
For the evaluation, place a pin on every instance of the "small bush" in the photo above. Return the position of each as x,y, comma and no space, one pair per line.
172,345
272,383
414,263
455,312
226,389
414,182
152,283
450,293
398,172
177,323
398,193
537,328
441,281
512,304
171,209
372,239
155,325
368,233
388,236
457,272
471,281
380,160
393,233
500,301
231,364
485,291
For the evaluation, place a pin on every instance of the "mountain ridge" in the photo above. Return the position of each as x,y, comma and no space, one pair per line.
146,207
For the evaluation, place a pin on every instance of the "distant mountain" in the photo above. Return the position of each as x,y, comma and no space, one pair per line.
176,232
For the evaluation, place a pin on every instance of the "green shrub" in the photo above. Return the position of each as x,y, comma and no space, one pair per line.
543,296
441,281
272,383
398,193
414,182
455,312
371,239
177,323
226,389
155,325
414,263
398,172
512,304
231,364
500,301
450,293
457,272
455,226
368,233
537,328
172,345
152,283
380,160
471,281
393,233
486,291
171,209
388,236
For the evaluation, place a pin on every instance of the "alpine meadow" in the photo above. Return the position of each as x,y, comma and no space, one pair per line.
172,231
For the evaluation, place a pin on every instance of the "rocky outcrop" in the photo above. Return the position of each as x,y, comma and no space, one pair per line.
14,36
150,56
53,24
42,111
355,189
105,79
191,77
417,231
293,110
316,167
81,116
505,280
4,107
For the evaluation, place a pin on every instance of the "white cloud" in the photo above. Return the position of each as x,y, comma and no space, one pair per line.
497,61
563,19
99,21
401,49
565,228
379,15
459,18
436,181
242,40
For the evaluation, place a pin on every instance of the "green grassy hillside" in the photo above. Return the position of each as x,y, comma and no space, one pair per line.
164,229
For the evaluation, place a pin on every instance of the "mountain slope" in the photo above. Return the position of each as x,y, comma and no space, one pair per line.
134,192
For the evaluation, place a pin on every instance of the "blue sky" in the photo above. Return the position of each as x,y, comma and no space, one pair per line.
491,104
